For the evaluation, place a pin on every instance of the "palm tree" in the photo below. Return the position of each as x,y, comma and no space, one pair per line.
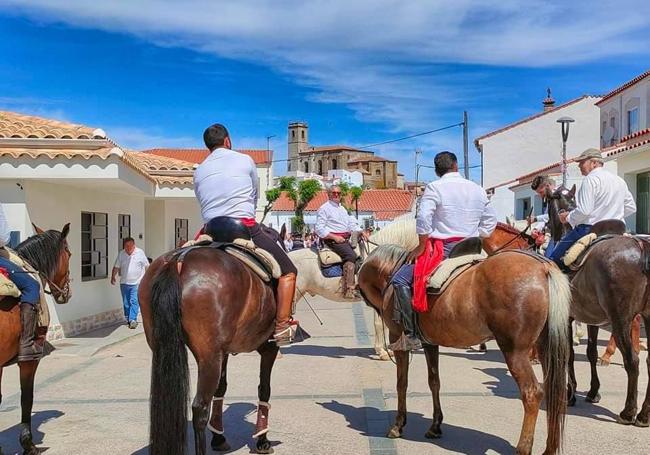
355,195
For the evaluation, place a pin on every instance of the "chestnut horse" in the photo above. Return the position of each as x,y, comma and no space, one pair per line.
48,253
612,286
215,305
513,297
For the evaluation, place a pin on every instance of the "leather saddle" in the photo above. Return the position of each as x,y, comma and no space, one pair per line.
603,230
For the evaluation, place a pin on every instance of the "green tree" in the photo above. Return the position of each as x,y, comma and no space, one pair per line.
272,195
355,195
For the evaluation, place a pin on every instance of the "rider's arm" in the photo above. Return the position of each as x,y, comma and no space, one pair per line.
585,203
428,203
256,182
488,222
630,205
5,233
321,224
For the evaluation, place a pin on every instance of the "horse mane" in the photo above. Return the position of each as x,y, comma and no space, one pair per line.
42,251
507,228
400,233
386,258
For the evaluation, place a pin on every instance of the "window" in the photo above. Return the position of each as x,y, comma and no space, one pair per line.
14,239
320,167
123,229
378,172
293,134
303,134
633,120
368,223
522,208
643,203
334,164
94,246
306,165
180,231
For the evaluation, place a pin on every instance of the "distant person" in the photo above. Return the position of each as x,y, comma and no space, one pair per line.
131,263
288,242
297,241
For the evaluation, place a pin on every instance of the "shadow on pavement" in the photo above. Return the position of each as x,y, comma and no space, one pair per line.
334,352
454,438
9,443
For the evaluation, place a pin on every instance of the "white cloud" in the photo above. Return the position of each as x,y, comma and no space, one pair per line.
384,59
142,139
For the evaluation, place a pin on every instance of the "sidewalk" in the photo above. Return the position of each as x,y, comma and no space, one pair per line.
90,343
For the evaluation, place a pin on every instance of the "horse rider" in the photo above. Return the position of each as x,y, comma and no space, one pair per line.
30,292
451,209
226,186
543,185
335,226
602,196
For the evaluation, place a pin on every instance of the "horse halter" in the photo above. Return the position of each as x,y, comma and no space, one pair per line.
63,293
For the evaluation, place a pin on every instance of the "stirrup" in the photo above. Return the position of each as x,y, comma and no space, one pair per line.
405,343
284,337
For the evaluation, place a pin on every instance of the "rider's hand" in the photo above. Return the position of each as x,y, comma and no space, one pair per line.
339,239
416,253
113,280
563,217
531,220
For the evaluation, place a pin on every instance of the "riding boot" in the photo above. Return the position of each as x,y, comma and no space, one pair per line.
284,326
408,341
28,350
350,288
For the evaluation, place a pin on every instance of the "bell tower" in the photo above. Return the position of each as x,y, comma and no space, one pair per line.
298,141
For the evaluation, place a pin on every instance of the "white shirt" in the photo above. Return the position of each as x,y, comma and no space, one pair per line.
132,267
602,196
226,185
5,233
333,217
455,207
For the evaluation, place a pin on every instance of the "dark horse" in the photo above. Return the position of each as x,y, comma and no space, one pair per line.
513,297
215,305
613,286
48,253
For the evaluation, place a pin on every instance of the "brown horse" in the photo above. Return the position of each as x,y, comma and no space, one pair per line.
613,286
506,237
48,253
215,305
512,297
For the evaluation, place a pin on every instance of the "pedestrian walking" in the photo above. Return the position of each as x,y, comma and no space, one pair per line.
131,263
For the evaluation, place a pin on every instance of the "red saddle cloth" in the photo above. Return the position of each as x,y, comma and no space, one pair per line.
433,255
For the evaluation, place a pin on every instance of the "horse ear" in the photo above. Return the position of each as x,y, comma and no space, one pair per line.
548,193
37,229
283,231
65,231
572,191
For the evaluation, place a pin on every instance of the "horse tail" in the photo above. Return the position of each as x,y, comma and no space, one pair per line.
555,345
169,369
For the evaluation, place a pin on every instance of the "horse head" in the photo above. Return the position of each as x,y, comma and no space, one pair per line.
559,200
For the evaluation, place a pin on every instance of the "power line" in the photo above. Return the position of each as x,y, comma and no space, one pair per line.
412,136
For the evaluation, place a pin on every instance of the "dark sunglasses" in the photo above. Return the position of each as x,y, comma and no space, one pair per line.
335,192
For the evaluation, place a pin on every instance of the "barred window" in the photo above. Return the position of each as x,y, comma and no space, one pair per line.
94,246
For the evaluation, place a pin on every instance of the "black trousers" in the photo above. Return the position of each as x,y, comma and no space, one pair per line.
261,240
342,249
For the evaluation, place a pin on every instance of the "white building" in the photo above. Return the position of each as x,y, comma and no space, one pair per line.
52,173
533,143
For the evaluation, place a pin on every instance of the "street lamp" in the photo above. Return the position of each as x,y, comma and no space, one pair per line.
564,121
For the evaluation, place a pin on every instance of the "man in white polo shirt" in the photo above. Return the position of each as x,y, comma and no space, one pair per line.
131,263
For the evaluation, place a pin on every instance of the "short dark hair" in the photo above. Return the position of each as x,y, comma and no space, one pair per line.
540,181
445,162
215,136
126,240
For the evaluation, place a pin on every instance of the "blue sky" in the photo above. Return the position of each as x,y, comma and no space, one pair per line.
155,74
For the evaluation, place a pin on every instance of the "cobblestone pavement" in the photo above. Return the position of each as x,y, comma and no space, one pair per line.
328,397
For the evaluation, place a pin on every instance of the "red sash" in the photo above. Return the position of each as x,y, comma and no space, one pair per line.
424,266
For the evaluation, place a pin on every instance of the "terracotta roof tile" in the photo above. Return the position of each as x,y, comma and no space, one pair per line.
332,148
53,153
154,163
370,159
532,117
260,157
385,204
14,125
624,87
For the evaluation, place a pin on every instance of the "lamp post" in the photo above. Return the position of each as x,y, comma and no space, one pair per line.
564,122
268,169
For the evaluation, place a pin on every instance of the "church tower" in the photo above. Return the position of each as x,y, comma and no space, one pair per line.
298,141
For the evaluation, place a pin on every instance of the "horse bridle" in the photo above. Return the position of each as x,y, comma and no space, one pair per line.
64,291
521,235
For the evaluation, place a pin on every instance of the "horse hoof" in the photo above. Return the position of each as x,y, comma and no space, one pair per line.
263,446
639,423
572,401
624,421
383,356
433,434
219,443
595,399
394,433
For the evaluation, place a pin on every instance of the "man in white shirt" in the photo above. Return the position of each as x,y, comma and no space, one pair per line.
335,226
451,209
131,263
30,294
226,186
602,196
542,185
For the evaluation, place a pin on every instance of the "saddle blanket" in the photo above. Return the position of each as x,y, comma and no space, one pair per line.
450,269
578,248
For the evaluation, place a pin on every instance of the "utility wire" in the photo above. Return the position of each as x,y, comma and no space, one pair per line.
412,136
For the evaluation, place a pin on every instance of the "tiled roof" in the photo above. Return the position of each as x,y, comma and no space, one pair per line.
14,125
53,153
385,204
531,175
370,159
333,148
624,87
260,157
628,143
154,163
532,117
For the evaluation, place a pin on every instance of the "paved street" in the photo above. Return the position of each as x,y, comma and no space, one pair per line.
328,397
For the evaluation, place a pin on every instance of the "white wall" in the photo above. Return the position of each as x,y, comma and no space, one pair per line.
538,143
628,168
617,107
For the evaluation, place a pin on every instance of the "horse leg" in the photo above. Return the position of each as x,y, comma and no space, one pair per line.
0,384
572,384
643,418
605,359
209,367
27,374
380,342
432,355
215,425
269,352
622,334
402,360
531,396
636,333
592,354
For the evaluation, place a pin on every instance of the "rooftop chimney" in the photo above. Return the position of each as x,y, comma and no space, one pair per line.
549,102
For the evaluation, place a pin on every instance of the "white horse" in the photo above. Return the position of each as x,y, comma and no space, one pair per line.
311,280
